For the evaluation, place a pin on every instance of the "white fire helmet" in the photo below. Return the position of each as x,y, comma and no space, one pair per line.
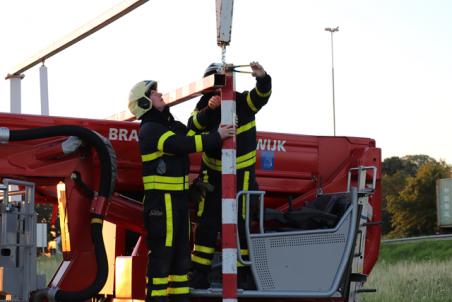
139,97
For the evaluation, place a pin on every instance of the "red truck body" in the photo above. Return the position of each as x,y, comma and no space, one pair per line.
289,166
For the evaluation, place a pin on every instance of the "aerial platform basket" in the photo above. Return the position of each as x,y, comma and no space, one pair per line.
307,261
302,263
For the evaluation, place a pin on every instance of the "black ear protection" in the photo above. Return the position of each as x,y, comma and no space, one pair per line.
144,103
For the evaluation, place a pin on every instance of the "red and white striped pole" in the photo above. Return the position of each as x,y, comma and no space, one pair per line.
229,191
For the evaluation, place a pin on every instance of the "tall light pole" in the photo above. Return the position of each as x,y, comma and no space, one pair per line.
333,30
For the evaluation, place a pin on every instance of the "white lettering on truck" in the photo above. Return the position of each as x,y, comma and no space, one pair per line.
265,144
121,134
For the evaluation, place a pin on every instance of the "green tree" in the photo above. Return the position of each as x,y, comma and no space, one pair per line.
395,171
407,165
414,162
413,209
44,212
392,165
391,186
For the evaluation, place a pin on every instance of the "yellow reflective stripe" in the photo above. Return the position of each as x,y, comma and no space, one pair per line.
173,183
243,161
246,180
247,156
158,281
97,220
200,260
212,163
196,122
250,103
169,220
191,132
246,164
240,264
178,278
159,293
212,167
198,143
246,127
163,138
178,290
263,94
242,158
165,179
166,187
202,202
201,205
151,156
246,160
204,249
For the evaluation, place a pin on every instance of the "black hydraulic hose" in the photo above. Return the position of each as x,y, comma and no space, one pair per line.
93,139
88,136
101,275
77,178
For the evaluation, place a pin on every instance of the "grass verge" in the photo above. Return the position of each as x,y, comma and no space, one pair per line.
48,265
417,271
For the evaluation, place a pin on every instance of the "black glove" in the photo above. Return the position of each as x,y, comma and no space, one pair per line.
198,190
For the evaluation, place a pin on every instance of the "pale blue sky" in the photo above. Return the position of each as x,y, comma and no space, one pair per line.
393,62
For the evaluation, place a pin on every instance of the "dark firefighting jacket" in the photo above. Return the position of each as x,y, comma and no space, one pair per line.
248,103
165,147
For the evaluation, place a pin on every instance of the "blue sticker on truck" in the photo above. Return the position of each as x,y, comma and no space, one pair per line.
267,160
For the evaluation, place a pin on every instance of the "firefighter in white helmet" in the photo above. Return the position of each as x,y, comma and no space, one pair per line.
205,117
165,145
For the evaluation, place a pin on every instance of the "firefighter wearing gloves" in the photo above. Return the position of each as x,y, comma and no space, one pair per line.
207,116
165,145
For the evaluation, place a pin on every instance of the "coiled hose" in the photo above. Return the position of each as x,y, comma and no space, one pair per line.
106,187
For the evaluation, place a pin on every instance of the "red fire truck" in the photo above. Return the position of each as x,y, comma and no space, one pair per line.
316,238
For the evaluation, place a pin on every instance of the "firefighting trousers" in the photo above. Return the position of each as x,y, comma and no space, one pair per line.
167,224
209,217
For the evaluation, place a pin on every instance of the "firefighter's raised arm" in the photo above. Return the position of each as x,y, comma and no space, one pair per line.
258,70
259,95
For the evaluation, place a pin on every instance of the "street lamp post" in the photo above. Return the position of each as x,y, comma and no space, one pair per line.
333,30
